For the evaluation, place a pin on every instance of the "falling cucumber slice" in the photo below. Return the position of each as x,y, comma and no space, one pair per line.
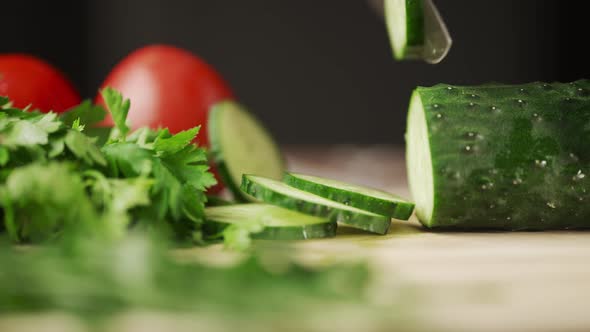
277,223
360,197
278,193
405,24
500,156
241,145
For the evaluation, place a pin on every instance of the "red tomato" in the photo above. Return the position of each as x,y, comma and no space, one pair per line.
168,87
27,80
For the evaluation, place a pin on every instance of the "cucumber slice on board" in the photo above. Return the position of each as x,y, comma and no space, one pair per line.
278,193
405,24
278,223
360,197
498,156
241,145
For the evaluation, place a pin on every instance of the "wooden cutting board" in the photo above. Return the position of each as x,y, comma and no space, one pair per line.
494,281
502,281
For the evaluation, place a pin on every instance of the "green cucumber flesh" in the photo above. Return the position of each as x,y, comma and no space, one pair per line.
241,145
277,223
278,193
360,197
497,156
405,25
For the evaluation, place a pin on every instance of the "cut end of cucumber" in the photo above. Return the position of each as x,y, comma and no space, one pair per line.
419,161
396,24
404,20
240,144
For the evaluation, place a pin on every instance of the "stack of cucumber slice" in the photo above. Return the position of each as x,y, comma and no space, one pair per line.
281,194
298,207
303,207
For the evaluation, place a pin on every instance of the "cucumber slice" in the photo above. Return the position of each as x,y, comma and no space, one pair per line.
499,156
240,144
405,24
278,193
360,197
278,223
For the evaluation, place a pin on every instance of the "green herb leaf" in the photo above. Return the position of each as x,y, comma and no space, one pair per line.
86,113
23,133
4,156
238,237
128,159
43,200
118,177
118,107
168,144
84,147
3,101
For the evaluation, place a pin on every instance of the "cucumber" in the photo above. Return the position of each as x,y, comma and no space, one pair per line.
278,193
497,156
239,145
405,25
360,197
278,223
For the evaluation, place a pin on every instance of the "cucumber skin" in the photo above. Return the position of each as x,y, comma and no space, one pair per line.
521,166
374,224
415,23
306,232
402,211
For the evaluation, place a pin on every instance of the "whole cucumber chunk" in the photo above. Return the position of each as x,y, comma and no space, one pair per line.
500,156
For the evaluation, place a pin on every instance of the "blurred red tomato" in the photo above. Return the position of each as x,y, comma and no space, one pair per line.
27,80
168,87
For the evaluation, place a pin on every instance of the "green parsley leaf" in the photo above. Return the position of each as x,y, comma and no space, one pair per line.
119,176
23,133
238,237
42,200
48,122
118,107
116,197
128,159
84,147
4,156
3,101
190,166
28,131
77,126
168,144
85,113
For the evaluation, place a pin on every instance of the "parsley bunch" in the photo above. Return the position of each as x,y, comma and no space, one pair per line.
100,278
62,174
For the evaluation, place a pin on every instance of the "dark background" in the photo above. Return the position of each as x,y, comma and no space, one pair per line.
315,71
